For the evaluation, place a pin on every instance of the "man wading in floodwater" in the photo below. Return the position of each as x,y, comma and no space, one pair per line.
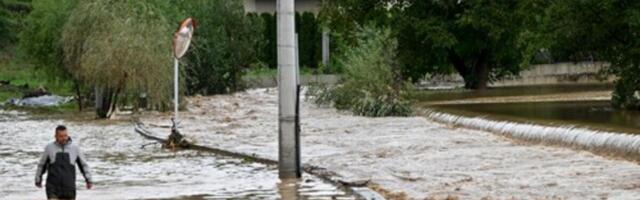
59,159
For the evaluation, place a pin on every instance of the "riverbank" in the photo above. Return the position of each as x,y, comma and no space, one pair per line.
16,78
407,158
514,94
564,97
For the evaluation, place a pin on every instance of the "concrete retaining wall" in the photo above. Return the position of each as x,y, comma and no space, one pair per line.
545,74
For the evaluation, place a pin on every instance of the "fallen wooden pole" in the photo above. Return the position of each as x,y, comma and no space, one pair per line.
357,188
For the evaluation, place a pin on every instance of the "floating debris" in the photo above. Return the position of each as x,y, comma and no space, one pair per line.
40,101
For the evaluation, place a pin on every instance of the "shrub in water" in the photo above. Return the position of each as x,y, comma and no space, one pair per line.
371,84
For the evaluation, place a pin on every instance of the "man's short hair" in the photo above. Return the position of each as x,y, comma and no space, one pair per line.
60,128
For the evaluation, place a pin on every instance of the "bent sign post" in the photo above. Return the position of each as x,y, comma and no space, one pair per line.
181,41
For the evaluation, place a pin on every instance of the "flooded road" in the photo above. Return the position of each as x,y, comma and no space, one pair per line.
123,169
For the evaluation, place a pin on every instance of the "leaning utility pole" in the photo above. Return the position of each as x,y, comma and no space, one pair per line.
288,162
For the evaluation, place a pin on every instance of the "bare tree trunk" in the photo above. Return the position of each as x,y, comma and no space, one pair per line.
112,104
476,78
114,100
103,101
78,96
462,69
481,71
106,102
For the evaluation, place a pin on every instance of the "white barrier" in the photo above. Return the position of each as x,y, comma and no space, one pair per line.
582,138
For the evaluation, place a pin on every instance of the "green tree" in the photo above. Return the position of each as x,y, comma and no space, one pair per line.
602,29
481,40
122,48
267,53
343,19
12,14
4,25
224,45
309,40
40,40
40,43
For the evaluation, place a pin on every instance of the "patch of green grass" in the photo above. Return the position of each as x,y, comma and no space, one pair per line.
268,72
20,74
6,95
261,72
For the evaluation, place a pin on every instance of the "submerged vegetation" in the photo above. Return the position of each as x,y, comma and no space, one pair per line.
371,84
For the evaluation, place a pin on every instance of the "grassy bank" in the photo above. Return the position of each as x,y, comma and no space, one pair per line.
264,72
24,77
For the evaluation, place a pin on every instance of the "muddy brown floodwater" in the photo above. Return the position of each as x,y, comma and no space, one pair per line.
124,170
586,105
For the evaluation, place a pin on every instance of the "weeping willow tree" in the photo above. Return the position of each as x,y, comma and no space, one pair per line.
122,48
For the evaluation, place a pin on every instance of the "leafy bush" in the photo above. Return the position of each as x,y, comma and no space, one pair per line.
371,85
268,48
309,39
40,40
4,25
223,47
12,15
626,93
